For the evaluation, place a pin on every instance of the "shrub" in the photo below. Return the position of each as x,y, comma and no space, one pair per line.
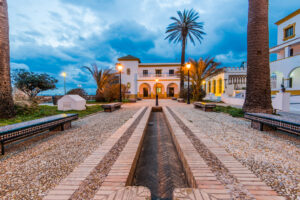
234,112
79,91
112,92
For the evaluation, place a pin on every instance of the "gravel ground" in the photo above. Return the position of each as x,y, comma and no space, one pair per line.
31,168
273,156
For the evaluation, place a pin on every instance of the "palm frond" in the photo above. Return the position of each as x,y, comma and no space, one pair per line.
186,26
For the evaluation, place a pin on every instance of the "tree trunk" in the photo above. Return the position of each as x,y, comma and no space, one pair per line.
6,100
258,93
182,67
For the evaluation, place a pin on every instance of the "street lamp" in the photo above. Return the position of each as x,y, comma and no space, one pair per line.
156,80
120,68
64,74
188,66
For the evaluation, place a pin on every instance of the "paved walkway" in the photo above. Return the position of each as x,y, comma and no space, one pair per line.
212,172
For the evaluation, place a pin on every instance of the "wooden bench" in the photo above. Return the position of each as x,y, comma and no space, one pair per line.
111,107
22,130
207,107
265,122
180,100
174,98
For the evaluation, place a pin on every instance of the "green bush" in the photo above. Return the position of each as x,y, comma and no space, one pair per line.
234,112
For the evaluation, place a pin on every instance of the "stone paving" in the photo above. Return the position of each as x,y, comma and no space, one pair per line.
197,151
248,181
71,183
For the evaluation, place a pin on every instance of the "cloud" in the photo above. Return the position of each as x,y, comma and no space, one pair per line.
63,35
14,66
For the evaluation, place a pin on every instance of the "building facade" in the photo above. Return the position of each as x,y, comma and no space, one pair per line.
229,81
286,68
140,78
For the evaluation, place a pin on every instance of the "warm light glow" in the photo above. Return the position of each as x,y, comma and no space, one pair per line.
64,74
188,65
120,67
203,82
156,80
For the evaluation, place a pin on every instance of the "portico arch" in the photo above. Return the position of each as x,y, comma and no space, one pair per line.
145,90
294,78
277,78
160,90
172,90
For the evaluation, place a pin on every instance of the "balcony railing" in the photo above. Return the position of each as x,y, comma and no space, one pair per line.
151,76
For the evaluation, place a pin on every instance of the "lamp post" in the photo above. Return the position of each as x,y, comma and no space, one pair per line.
188,66
64,74
120,68
156,80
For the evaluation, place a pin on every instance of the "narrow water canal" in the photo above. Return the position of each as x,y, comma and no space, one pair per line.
159,167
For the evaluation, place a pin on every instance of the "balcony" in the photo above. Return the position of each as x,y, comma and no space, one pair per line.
155,76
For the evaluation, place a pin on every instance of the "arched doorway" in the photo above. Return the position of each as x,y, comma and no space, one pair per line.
145,90
160,90
277,78
294,78
172,90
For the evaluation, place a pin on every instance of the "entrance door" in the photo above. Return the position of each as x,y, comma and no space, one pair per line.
145,92
171,92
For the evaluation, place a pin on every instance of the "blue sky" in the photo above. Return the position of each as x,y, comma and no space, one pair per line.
63,35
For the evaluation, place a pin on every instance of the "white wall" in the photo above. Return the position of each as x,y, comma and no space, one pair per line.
132,78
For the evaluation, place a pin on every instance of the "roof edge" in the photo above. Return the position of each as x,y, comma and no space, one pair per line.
293,14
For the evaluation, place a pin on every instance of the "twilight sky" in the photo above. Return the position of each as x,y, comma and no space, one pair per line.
63,35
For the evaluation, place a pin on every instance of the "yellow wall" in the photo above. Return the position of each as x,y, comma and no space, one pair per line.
293,92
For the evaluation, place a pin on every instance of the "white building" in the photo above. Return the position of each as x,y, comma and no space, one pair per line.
140,78
286,69
230,81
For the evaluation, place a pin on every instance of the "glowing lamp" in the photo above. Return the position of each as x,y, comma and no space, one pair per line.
188,65
120,67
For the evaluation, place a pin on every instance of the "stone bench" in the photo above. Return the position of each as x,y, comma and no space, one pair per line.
22,130
111,107
207,107
180,100
131,100
265,122
174,98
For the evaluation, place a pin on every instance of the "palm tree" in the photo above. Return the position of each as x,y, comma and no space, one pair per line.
258,93
6,100
184,28
199,71
102,78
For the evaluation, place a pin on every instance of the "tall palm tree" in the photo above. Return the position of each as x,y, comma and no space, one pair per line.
199,71
183,28
258,93
101,76
6,100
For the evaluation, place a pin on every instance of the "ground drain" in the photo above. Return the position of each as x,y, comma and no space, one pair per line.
159,167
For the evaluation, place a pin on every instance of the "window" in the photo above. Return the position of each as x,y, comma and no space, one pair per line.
158,72
171,72
128,71
145,73
289,32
